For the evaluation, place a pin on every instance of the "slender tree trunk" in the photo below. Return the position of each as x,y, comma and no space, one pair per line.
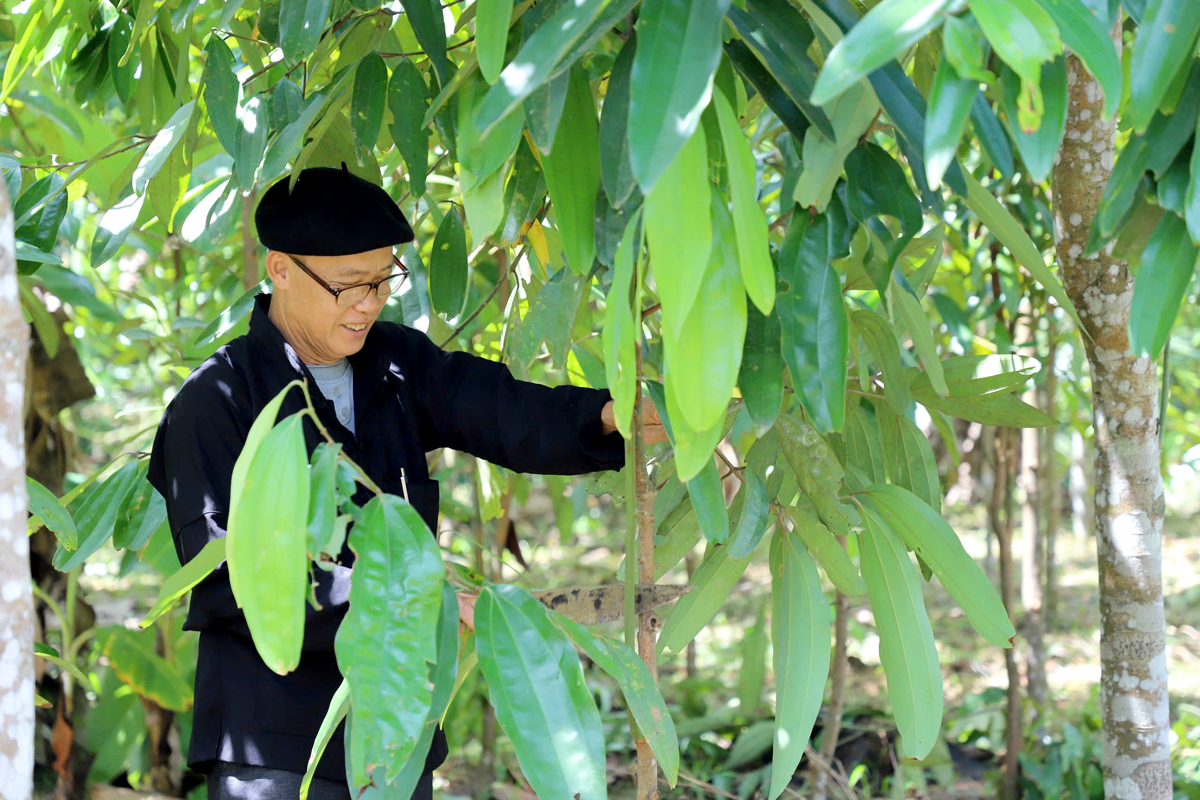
1052,491
1031,532
647,632
1077,482
1000,520
1128,484
16,599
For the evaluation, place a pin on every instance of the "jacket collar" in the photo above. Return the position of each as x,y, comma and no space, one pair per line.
371,362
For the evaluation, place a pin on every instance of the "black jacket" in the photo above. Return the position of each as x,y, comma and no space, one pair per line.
409,397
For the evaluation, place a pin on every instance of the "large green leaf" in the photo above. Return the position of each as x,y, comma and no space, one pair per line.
886,352
220,88
301,23
185,578
828,551
265,548
703,358
853,113
816,470
864,444
1164,274
935,542
991,136
425,16
813,320
800,628
448,266
994,408
1039,147
408,100
161,148
573,174
536,685
144,512
96,515
389,637
621,327
1165,44
1088,38
544,109
491,35
751,677
679,47
114,228
779,36
1192,197
888,29
1022,34
616,170
950,103
339,706
640,690
749,221
714,579
906,647
760,376
481,155
551,318
367,101
131,656
534,63
250,141
909,457
764,83
974,375
46,507
708,499
753,515
523,196
678,217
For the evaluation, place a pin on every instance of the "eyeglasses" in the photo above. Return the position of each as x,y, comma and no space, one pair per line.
353,295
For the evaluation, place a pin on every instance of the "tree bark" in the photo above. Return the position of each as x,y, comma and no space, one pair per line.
1077,483
647,633
1128,484
1000,521
1052,494
16,598
1031,532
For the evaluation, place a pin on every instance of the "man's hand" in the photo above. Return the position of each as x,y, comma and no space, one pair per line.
653,431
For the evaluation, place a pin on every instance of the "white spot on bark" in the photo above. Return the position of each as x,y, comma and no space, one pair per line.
1075,219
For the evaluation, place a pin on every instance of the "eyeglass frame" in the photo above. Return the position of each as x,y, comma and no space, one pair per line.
373,287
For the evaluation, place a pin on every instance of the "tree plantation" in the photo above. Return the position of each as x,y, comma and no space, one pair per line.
906,284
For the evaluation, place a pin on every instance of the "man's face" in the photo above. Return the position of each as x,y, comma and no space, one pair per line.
322,331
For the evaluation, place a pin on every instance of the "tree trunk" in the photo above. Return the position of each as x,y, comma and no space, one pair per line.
1077,483
1000,522
16,598
1031,532
1128,485
1052,494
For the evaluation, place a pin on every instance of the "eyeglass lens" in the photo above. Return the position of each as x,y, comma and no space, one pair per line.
356,294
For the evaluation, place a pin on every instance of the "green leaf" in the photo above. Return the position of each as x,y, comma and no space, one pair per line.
875,184
950,104
163,145
1039,147
425,16
267,522
823,157
544,109
886,351
680,532
1088,38
974,375
714,579
1012,235
760,376
120,37
49,330
813,320
910,459
1165,44
678,217
573,174
286,146
641,693
820,541
251,143
339,706
906,648
322,529
779,36
408,99
1164,274
132,658
184,579
229,317
536,685
765,84
535,62
366,101
144,513
621,327
754,515
708,499
679,47
991,135
754,656
907,310
44,505
483,201
818,473
220,88
888,29
616,170
800,628
935,543
864,444
551,319
50,654
1022,34
524,195
96,516
749,221
114,228
993,408
703,358
448,266
301,23
1192,198
964,48
389,637
286,100
491,36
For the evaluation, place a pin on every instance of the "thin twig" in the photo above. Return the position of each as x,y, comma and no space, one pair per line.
483,305
55,167
463,43
231,35
651,310
732,469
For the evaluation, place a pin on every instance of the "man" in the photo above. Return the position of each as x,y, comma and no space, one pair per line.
389,395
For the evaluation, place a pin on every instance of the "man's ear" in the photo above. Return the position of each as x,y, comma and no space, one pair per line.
277,268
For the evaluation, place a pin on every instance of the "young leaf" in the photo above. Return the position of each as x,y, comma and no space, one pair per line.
934,541
183,580
1022,34
679,46
906,648
267,525
448,266
800,637
573,174
1039,147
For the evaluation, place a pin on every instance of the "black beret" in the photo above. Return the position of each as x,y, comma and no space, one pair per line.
329,212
